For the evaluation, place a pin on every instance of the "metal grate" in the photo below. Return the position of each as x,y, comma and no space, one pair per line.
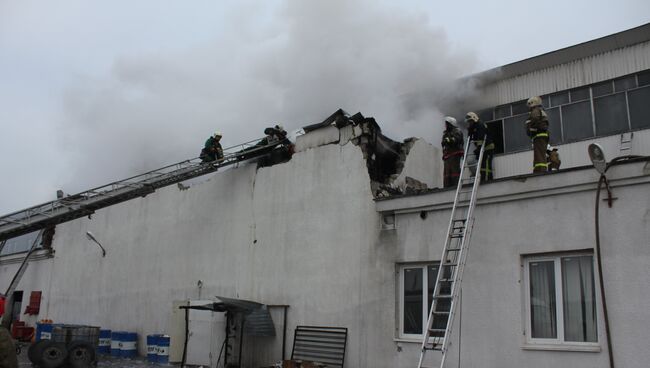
320,344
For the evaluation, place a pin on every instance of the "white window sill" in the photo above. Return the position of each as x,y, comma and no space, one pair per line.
563,347
409,340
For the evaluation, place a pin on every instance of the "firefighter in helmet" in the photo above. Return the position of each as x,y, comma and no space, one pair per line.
452,152
212,150
477,131
537,130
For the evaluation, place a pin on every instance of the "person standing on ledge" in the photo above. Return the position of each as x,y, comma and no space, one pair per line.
537,130
452,152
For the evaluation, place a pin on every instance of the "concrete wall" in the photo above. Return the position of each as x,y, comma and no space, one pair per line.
550,213
303,233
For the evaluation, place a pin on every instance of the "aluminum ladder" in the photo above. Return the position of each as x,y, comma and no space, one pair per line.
86,203
452,262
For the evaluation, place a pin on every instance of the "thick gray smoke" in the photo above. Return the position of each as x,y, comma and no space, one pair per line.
311,59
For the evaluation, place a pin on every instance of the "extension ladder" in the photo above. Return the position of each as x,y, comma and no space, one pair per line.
86,203
454,255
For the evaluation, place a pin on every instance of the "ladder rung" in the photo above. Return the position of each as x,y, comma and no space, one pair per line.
456,236
437,330
454,249
449,264
437,312
446,280
446,296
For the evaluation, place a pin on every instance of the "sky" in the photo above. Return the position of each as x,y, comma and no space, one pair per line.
92,92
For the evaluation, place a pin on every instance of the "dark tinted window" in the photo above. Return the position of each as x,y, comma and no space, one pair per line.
495,128
559,98
576,121
644,78
580,94
502,111
639,101
554,126
611,114
602,89
485,115
625,83
519,108
546,102
514,130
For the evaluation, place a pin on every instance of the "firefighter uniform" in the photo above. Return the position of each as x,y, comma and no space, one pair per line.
479,134
537,130
452,152
212,149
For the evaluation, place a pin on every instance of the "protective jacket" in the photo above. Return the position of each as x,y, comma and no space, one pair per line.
537,123
479,133
452,143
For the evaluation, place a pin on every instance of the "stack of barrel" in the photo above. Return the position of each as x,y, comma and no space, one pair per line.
158,349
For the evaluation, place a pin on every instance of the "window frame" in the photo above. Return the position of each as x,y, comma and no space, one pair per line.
423,266
558,342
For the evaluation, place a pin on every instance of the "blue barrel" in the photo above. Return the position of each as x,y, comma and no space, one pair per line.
152,348
163,349
116,343
44,331
129,345
104,346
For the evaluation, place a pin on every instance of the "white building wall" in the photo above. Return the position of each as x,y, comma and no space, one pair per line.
572,154
593,69
551,213
303,233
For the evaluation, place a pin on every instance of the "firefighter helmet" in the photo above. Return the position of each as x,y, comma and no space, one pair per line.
217,134
471,117
451,120
534,101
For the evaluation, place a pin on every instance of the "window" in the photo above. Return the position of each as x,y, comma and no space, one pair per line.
20,243
602,89
639,107
416,284
576,121
625,83
554,126
644,78
520,107
502,111
611,114
580,94
561,300
515,133
560,98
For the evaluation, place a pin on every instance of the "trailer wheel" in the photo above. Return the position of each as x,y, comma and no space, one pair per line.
53,354
81,354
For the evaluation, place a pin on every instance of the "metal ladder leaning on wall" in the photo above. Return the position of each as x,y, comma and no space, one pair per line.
452,262
86,203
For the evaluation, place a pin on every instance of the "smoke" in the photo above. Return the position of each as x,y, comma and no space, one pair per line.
295,67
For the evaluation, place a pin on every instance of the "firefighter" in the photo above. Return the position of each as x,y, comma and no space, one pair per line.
452,152
212,150
477,131
537,130
553,158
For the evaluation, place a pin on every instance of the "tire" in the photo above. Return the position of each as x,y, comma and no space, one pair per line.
35,351
81,354
53,354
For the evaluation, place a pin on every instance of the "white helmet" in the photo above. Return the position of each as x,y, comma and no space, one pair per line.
534,101
451,120
217,134
471,116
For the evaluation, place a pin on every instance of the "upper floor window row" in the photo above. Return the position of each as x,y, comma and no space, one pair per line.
612,107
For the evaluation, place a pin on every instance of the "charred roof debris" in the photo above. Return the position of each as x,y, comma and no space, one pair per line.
384,157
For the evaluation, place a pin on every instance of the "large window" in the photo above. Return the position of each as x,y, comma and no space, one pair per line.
561,300
416,284
605,108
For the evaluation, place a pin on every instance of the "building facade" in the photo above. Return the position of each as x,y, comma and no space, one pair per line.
312,234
